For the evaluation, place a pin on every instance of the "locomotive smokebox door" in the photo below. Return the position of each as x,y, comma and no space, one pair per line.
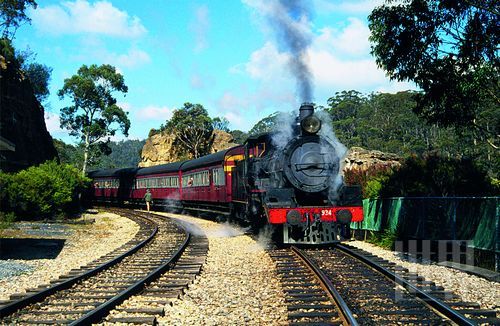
310,163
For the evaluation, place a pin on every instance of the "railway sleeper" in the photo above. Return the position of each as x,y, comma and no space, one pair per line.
311,306
168,290
147,320
167,295
308,298
75,304
297,284
478,312
145,311
152,300
312,314
299,291
45,321
401,312
336,322
57,312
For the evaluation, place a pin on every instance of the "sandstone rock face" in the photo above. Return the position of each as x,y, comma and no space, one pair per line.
160,149
360,158
24,139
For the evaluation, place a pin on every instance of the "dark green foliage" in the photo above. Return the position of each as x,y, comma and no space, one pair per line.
387,122
239,137
13,14
450,50
193,129
94,115
6,219
384,239
45,191
270,123
38,74
125,153
435,176
69,154
369,179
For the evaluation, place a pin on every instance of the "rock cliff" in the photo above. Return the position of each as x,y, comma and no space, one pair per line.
360,158
160,149
24,139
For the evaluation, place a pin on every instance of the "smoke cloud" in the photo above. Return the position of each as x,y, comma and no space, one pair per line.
291,21
283,129
328,133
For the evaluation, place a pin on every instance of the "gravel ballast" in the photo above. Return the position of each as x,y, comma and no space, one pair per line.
83,244
468,287
238,284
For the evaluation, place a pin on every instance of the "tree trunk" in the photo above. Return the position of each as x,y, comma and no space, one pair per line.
85,154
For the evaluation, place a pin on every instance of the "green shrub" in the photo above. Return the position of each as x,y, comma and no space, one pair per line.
370,179
6,219
435,176
373,187
44,191
385,240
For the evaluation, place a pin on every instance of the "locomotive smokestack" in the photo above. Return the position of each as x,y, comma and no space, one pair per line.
306,109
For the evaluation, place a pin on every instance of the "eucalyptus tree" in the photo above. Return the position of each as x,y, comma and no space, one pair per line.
193,129
450,49
94,115
13,14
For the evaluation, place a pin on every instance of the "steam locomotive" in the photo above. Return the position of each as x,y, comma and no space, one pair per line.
288,179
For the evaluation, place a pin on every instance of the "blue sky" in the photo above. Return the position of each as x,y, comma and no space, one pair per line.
222,54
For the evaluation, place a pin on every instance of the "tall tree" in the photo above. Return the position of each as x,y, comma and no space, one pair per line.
272,123
193,128
344,109
13,14
39,76
94,115
239,137
450,50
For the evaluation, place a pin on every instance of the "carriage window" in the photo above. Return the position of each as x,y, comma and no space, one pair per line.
218,177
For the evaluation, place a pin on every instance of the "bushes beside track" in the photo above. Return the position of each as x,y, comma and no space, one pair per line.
49,190
425,176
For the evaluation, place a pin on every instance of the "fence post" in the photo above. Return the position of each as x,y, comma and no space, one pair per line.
497,240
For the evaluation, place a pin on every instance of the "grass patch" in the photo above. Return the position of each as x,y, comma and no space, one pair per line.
6,220
384,239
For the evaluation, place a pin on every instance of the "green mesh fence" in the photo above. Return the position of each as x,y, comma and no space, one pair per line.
443,218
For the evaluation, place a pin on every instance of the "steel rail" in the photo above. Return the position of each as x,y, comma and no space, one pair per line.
345,312
39,296
431,300
97,314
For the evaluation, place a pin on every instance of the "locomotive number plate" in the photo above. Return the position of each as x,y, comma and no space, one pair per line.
326,212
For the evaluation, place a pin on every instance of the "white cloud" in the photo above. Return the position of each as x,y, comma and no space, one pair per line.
134,58
348,6
338,58
352,40
152,112
52,122
53,127
200,26
80,16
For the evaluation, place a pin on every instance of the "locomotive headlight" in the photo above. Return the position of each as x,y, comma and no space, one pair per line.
311,124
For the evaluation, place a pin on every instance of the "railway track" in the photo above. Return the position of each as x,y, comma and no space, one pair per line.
310,296
159,262
380,292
